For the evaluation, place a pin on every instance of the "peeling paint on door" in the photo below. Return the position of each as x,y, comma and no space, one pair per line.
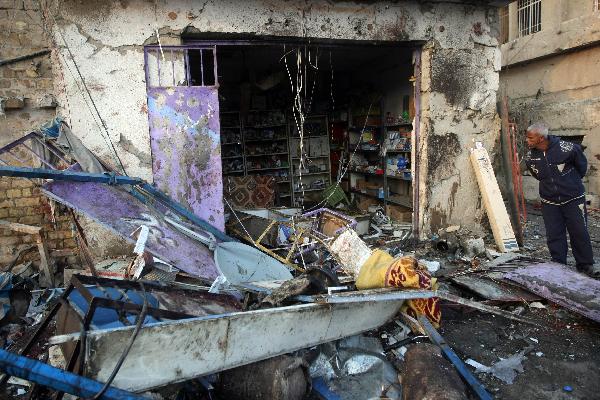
186,150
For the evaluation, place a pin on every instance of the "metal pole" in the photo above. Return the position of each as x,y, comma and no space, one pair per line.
462,369
57,379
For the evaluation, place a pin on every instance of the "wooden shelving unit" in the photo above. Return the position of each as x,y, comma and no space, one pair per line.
315,157
399,190
232,144
396,186
267,145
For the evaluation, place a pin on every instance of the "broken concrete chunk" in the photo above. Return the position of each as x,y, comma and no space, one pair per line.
46,100
473,246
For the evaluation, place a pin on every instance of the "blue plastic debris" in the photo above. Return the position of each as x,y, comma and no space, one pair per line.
55,378
52,128
567,388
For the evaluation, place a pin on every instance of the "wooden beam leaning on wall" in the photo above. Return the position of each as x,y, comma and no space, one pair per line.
46,264
492,199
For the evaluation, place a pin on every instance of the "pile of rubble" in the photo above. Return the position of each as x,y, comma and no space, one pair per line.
285,305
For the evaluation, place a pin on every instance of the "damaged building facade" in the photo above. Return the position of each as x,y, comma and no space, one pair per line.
453,80
550,54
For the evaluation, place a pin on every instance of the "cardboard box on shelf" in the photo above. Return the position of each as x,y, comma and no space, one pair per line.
363,185
364,203
399,213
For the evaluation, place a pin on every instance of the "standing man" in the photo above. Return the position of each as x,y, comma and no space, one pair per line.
559,166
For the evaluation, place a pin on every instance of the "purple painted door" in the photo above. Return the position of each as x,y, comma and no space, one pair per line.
185,136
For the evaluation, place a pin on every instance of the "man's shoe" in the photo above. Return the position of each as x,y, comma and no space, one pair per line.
593,270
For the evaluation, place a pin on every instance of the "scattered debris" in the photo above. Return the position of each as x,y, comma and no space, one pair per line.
506,369
273,308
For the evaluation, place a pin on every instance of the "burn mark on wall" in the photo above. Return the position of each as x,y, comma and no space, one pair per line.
442,151
457,75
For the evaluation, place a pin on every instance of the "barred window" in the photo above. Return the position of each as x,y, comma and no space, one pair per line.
529,16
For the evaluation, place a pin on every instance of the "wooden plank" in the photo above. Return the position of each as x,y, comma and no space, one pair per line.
46,264
492,199
13,226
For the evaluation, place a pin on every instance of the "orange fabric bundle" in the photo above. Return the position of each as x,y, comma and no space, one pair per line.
382,270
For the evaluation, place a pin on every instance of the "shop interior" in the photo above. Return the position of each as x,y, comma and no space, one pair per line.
318,125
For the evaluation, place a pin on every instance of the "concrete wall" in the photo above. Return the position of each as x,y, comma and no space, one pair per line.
460,74
552,77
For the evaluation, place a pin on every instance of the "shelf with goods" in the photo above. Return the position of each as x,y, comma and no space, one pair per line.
398,163
365,172
311,169
266,145
232,144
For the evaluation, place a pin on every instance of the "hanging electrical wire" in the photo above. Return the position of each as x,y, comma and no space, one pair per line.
302,98
95,112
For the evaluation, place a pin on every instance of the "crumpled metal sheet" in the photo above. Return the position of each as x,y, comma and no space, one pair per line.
562,285
119,211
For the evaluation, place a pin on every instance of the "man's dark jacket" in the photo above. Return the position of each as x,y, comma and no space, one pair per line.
559,170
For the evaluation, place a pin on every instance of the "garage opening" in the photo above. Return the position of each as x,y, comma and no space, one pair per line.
310,126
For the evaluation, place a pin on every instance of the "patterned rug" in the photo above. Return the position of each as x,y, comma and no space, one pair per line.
250,191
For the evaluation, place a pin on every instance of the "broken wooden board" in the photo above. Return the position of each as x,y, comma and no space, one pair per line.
492,199
492,290
177,351
351,251
561,285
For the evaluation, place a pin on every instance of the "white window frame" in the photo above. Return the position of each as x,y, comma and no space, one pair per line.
596,5
529,16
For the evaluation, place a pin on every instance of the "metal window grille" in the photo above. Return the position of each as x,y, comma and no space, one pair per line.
529,16
191,65
503,24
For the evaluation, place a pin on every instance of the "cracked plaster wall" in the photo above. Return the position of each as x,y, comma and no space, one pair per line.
461,61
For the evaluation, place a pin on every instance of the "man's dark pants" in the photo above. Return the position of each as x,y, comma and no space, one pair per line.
571,217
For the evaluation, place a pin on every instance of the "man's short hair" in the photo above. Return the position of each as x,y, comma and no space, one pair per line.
539,128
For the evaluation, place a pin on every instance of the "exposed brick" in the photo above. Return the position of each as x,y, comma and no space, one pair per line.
16,212
11,193
7,204
34,220
28,202
45,83
5,83
21,183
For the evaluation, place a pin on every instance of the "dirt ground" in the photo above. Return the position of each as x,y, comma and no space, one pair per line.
564,357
